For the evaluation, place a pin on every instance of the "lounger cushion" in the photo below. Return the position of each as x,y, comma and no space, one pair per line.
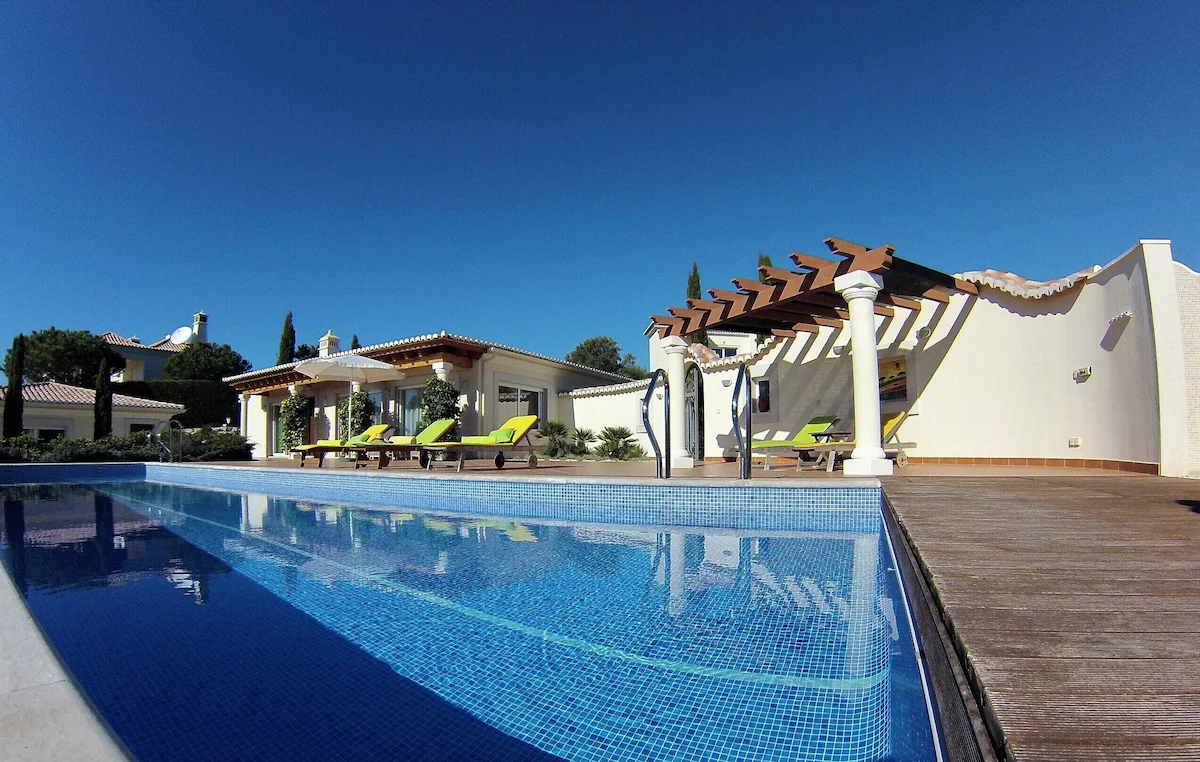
502,436
403,440
480,440
434,431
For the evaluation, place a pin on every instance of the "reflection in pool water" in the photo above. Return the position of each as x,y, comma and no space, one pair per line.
586,641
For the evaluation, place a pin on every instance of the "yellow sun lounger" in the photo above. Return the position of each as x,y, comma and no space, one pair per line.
889,434
497,445
397,447
326,446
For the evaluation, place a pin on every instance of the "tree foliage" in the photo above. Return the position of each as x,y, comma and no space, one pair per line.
294,414
307,352
14,400
204,361
69,357
208,403
603,353
102,421
694,292
287,342
354,343
364,413
439,399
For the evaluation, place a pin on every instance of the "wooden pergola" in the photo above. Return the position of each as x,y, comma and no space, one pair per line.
805,299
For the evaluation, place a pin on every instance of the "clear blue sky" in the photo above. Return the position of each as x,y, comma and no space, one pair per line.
538,173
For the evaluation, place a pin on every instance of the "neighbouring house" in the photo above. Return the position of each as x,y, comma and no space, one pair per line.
144,362
59,410
1099,369
495,382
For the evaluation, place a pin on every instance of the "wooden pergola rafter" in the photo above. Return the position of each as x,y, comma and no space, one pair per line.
790,301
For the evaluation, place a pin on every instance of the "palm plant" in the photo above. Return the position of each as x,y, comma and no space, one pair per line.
580,440
555,434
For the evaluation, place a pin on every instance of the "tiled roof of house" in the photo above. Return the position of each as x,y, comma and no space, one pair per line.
167,345
54,393
164,345
1014,284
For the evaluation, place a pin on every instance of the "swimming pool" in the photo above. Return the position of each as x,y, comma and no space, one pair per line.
480,619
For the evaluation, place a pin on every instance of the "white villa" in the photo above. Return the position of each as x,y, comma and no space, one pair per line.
495,382
54,410
1099,369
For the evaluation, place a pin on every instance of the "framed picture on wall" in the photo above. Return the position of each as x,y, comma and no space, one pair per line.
893,378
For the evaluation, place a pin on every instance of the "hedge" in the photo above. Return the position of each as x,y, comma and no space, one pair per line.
208,403
201,445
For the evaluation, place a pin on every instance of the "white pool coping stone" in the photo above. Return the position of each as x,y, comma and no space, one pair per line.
42,711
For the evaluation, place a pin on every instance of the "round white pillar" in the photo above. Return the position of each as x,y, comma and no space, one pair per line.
859,288
676,350
442,369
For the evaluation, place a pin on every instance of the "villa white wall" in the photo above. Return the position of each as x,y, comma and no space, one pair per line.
597,411
995,377
1187,288
1004,387
478,387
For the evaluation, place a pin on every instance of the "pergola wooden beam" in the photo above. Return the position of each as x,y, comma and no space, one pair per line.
787,300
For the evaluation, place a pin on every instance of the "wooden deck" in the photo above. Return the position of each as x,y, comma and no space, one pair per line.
1077,599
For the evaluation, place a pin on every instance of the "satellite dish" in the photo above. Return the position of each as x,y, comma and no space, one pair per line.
181,334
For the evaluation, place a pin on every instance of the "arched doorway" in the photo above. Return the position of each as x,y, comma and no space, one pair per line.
693,411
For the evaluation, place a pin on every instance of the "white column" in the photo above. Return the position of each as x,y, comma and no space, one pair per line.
676,350
442,369
245,422
859,288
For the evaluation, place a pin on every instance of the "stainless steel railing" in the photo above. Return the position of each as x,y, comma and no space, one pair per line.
663,464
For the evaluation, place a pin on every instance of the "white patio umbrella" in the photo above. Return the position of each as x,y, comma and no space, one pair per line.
353,368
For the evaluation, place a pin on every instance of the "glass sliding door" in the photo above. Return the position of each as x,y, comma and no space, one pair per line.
410,411
516,400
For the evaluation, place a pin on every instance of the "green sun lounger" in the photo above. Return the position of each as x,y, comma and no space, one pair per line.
497,445
403,446
808,435
322,447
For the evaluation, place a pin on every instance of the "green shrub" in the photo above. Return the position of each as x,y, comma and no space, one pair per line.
617,442
439,400
580,440
208,403
203,445
209,444
555,433
294,415
364,413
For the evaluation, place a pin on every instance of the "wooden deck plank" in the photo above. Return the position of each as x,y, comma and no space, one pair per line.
1077,602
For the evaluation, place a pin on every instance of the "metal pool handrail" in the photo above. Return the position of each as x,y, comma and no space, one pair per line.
662,464
174,432
743,443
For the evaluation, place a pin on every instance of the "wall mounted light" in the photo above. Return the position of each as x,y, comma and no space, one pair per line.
841,349
726,382
924,332
1082,374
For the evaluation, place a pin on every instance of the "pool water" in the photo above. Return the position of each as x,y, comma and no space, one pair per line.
206,624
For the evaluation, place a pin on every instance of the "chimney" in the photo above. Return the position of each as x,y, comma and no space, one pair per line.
330,345
199,328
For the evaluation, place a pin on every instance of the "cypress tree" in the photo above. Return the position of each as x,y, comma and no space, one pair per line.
764,260
14,400
354,342
102,409
287,342
693,292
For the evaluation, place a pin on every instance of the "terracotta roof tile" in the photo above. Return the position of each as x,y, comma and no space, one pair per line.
167,345
53,392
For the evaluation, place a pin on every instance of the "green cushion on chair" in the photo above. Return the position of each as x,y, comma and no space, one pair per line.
479,440
434,431
502,436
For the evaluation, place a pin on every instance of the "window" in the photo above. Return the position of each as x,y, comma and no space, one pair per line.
276,430
516,400
49,435
726,351
134,428
762,395
377,398
409,415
